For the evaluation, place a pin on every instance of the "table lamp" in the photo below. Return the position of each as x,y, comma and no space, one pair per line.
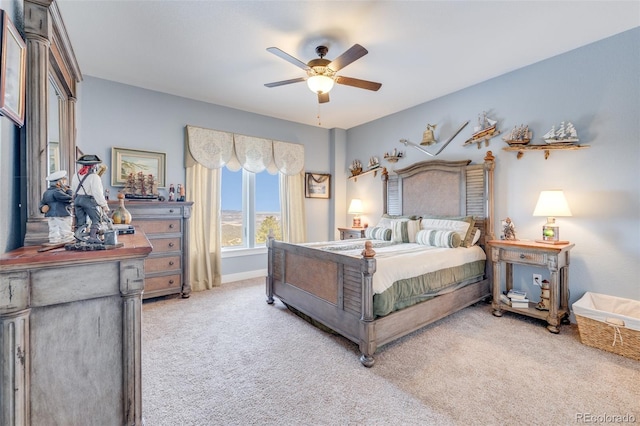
551,204
355,208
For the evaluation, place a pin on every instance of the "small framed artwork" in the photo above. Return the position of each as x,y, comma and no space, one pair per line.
13,62
126,161
317,185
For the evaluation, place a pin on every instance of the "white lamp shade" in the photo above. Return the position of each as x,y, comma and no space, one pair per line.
355,207
320,83
552,204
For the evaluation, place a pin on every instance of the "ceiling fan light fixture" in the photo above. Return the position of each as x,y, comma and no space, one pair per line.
320,83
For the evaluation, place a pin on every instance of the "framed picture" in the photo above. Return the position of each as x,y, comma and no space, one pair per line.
317,185
13,54
126,161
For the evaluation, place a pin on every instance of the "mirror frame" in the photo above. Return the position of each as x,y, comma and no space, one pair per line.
49,56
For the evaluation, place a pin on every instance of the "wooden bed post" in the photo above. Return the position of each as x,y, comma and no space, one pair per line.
489,166
367,342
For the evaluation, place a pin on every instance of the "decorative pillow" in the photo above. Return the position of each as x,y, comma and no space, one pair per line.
386,220
438,238
377,233
463,225
404,230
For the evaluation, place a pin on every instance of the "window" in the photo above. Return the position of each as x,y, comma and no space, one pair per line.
250,208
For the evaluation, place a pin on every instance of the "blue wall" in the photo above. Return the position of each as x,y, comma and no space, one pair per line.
596,87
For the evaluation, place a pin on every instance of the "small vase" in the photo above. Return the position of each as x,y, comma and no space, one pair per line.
121,215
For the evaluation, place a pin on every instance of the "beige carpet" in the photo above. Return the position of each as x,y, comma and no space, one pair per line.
226,357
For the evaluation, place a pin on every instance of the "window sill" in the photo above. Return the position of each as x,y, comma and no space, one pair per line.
239,252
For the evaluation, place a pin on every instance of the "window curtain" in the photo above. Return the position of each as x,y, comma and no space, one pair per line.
206,152
294,223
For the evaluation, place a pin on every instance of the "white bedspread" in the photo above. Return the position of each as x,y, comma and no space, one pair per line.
400,261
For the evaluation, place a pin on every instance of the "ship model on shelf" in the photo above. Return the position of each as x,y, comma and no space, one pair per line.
565,134
355,168
520,135
374,163
485,130
393,156
140,186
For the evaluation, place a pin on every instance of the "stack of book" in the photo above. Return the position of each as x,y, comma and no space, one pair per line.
518,299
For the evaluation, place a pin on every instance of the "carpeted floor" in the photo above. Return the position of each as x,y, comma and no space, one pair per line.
226,357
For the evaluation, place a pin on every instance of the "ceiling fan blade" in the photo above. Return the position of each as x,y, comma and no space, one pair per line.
323,98
283,82
355,82
354,52
279,53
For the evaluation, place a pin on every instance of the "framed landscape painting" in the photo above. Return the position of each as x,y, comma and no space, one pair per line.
317,185
126,161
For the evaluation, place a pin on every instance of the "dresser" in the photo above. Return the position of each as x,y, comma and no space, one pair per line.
166,224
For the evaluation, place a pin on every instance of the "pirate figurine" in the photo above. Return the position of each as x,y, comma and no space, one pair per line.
89,196
56,206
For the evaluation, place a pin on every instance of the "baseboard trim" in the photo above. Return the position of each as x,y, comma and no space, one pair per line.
244,276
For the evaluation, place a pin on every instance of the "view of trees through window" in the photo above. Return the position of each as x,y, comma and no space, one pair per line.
250,208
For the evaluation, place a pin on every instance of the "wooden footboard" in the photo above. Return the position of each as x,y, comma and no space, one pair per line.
337,291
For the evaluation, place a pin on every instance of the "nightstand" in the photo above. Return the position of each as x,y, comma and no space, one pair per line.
351,233
554,257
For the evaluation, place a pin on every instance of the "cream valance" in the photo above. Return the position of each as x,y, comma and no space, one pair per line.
215,149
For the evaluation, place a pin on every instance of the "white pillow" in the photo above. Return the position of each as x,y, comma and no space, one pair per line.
476,237
458,226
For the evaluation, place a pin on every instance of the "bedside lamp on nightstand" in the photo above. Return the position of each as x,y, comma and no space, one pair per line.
355,208
551,204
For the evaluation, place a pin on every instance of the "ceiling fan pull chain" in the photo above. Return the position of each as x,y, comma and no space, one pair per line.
318,117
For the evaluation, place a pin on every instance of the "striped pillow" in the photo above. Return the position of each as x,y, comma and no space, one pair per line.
438,238
377,233
404,230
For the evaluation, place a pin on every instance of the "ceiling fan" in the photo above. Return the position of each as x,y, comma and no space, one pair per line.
321,73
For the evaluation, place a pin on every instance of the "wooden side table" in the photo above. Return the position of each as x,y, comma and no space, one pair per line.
555,257
351,233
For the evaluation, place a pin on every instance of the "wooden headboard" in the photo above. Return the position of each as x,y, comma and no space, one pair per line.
444,188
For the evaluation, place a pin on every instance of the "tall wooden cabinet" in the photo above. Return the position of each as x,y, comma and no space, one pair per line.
166,224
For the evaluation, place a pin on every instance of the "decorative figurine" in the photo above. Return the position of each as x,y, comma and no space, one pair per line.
509,230
368,249
56,206
180,192
89,198
172,193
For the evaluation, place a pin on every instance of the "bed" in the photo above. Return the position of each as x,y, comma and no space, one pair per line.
340,287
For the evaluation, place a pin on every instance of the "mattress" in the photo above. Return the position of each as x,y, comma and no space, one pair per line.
409,273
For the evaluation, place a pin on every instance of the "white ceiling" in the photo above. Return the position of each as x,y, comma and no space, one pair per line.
215,51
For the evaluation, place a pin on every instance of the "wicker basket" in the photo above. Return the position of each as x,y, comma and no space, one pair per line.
617,339
609,323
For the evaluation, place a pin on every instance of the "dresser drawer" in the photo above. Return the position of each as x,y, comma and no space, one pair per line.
528,257
164,282
161,264
159,226
156,211
161,245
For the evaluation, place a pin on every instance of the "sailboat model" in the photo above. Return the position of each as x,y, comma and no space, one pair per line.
565,134
485,130
520,135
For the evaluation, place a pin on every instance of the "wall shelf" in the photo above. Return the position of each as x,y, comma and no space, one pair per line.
546,148
374,171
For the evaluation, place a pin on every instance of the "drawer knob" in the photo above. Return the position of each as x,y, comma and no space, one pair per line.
171,226
171,244
522,256
170,210
171,281
171,263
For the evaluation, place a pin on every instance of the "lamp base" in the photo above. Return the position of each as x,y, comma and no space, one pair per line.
551,242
